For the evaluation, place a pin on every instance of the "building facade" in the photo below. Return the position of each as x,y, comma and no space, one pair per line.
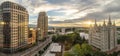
32,36
42,26
118,33
103,37
13,27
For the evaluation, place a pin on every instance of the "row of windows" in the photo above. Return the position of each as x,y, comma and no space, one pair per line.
14,12
15,6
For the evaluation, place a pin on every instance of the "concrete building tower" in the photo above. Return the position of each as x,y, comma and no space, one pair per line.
13,27
42,26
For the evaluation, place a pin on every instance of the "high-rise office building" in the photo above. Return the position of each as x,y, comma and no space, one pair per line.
13,27
42,26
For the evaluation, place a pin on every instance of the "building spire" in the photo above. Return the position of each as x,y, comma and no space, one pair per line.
95,23
109,21
90,25
104,23
99,25
114,23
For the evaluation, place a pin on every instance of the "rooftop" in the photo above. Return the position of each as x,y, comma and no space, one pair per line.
56,49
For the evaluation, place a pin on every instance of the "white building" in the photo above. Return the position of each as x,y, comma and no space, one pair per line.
103,37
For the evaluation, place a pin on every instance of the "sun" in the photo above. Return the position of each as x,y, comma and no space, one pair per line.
89,22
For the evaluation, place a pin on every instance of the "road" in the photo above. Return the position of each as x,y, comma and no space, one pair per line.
32,50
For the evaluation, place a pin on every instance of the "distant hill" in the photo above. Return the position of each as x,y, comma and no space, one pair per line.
34,26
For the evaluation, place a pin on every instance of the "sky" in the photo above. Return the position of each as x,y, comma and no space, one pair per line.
72,13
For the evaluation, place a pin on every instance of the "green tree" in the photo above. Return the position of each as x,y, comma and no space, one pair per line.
68,54
54,38
78,39
86,48
78,50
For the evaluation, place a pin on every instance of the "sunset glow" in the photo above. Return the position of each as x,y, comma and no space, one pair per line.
71,11
89,22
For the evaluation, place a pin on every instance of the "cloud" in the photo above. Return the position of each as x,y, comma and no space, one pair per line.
58,1
73,12
113,7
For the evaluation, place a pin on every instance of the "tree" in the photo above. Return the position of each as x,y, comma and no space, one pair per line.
61,38
54,38
79,40
76,50
67,54
84,50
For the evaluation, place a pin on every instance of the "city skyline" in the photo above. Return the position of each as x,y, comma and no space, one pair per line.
16,36
71,12
93,30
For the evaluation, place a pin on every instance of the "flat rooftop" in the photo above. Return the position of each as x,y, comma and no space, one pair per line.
56,49
53,49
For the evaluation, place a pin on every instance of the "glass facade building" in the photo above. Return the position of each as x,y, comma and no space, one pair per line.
13,26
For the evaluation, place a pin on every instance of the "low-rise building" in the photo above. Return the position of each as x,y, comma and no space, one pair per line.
55,49
32,36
